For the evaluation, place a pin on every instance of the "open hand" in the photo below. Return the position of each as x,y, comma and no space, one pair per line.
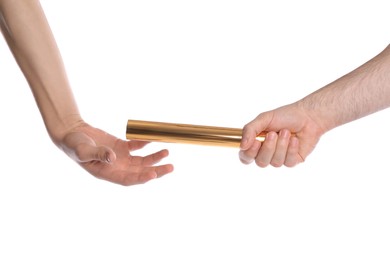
108,158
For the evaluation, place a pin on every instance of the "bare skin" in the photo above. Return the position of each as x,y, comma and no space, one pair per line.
28,34
359,93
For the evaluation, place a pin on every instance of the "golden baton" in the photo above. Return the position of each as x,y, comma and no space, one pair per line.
185,133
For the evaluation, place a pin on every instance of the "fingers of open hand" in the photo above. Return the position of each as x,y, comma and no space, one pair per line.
159,171
141,168
136,145
144,174
150,159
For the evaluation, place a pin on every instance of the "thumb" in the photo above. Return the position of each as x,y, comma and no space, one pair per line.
90,152
252,129
248,136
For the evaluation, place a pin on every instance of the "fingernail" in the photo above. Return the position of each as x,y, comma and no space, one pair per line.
108,160
244,158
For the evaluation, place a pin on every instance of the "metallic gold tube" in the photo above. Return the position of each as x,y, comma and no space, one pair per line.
185,133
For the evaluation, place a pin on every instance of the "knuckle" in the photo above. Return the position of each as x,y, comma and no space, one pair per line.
277,163
246,129
289,164
246,161
245,157
261,163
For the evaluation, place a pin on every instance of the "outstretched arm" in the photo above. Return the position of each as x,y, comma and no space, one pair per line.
359,93
31,41
28,34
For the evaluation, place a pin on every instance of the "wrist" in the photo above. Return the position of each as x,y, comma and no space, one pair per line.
321,117
62,126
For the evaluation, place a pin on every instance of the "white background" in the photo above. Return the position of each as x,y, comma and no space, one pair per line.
198,62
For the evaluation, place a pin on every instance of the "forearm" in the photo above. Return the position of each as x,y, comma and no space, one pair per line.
31,41
359,93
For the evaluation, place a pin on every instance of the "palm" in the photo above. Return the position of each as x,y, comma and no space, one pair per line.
114,162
